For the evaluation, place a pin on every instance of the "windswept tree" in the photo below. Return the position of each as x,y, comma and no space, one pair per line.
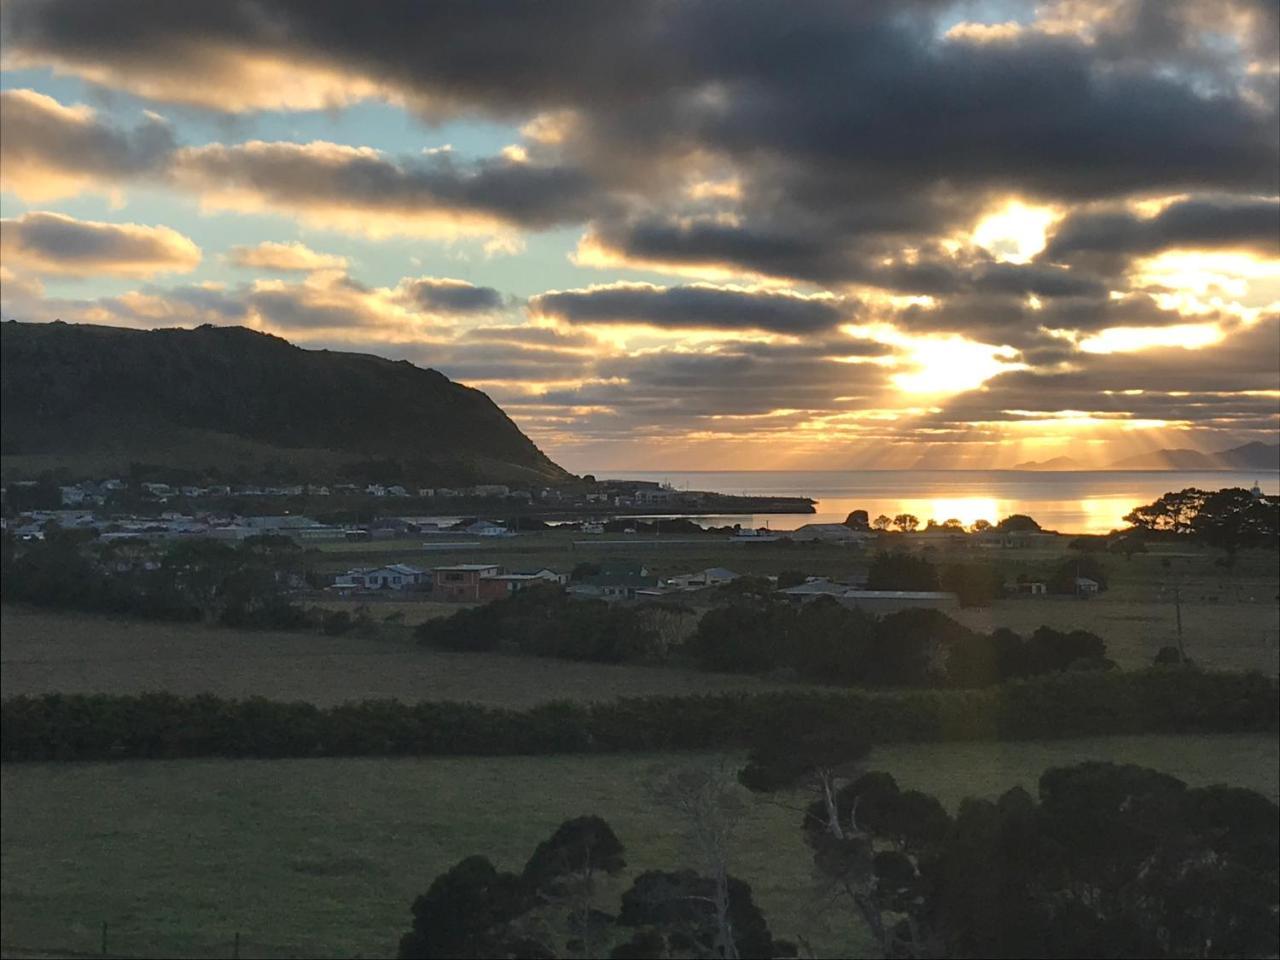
816,762
675,914
1115,861
874,860
564,871
468,912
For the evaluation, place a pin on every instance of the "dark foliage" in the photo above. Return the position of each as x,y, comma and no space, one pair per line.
676,916
1113,861
899,570
1073,704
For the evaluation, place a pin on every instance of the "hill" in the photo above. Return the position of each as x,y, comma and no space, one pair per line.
230,401
1250,456
1057,463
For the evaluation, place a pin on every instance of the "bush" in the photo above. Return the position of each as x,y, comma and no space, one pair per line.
1073,704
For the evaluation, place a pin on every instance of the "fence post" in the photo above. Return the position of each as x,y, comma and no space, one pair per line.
104,938
235,950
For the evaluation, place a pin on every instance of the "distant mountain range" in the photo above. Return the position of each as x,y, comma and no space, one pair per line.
1250,456
94,399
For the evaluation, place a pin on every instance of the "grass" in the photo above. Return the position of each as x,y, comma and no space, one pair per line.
77,653
323,857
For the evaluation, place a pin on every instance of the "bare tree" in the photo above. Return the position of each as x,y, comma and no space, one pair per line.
709,803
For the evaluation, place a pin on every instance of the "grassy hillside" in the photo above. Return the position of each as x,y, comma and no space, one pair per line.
95,399
321,858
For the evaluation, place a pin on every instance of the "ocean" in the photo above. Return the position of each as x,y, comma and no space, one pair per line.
1086,501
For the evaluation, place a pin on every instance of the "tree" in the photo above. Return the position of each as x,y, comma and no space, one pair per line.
981,526
748,636
1114,861
858,520
675,911
899,570
563,871
1234,518
906,522
467,912
816,761
882,884
974,584
1173,512
708,803
881,523
1018,523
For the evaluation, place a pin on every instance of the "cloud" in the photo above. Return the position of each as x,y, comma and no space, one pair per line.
696,306
49,150
292,257
443,295
363,190
1234,223
51,243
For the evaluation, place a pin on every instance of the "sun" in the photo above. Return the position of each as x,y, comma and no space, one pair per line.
1015,232
950,365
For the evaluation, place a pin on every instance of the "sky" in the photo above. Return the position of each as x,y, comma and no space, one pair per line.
685,235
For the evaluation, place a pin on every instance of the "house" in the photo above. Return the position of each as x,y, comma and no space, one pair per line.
711,577
1031,588
593,528
460,581
394,576
762,535
1086,587
602,586
490,490
881,602
814,587
487,528
504,584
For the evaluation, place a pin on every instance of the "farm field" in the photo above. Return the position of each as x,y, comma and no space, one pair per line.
80,653
323,857
1217,636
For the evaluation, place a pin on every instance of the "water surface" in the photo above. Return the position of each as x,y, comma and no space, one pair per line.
1078,501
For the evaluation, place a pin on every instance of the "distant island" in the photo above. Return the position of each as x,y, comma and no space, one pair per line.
1250,456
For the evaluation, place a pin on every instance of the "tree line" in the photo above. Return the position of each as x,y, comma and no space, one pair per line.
760,632
1075,704
242,585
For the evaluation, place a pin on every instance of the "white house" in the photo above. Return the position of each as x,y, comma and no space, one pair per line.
486,528
394,576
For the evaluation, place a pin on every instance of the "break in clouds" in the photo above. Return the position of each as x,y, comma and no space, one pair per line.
741,224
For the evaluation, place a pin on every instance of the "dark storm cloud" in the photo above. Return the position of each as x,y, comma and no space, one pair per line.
695,306
454,296
847,99
320,176
1245,223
